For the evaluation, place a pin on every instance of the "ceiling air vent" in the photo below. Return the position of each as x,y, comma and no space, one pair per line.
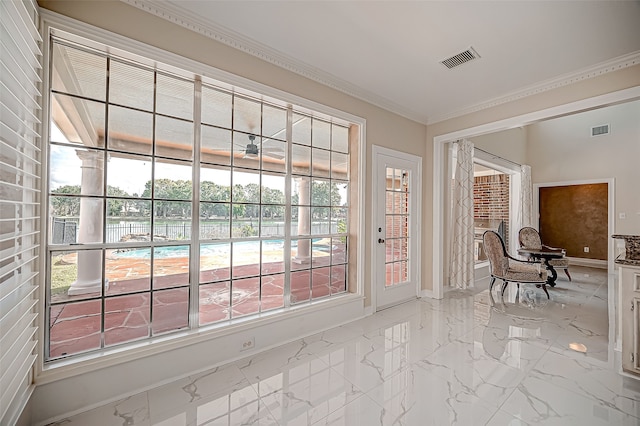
460,58
600,130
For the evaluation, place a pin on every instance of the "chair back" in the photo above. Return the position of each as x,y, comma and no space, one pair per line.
529,238
496,253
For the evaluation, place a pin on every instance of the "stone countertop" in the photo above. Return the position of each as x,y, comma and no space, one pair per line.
632,250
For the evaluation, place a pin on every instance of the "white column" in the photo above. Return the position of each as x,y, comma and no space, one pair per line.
304,225
90,227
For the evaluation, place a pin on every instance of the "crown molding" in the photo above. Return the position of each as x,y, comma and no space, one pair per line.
171,12
554,83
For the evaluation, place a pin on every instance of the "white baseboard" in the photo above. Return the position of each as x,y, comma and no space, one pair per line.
593,263
429,294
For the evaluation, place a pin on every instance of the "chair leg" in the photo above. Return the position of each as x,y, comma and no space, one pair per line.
493,280
504,286
544,287
566,271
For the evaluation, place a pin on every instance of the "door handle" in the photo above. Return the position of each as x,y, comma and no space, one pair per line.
380,240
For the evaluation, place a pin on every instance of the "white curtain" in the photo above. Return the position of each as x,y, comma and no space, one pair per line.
525,214
462,260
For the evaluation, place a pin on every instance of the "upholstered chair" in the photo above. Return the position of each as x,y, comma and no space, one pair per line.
509,269
530,238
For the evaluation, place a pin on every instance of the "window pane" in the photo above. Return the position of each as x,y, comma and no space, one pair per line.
130,130
321,252
301,129
67,166
272,292
274,122
320,220
273,189
130,86
321,192
129,175
301,160
75,271
245,221
214,302
215,145
246,115
301,187
76,220
301,220
172,221
321,134
300,286
174,97
338,279
215,260
300,254
77,121
246,259
74,328
128,220
172,180
214,220
246,187
170,310
338,250
216,107
215,183
272,221
339,166
128,270
246,150
246,297
339,138
320,162
274,154
272,256
126,318
78,72
320,282
339,193
170,266
174,138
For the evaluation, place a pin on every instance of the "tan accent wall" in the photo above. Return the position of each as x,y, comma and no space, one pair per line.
576,216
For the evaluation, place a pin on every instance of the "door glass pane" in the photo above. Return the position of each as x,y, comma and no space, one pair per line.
397,226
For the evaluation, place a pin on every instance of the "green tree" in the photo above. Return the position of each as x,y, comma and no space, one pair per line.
66,206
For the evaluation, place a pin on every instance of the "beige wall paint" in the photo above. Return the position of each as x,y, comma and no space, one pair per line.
382,128
509,144
576,156
583,89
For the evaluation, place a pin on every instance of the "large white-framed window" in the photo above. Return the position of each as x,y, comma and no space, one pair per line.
178,202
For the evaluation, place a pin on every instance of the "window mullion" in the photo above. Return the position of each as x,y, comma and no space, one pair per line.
194,253
287,210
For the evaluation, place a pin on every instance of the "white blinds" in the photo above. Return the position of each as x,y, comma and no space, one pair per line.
20,65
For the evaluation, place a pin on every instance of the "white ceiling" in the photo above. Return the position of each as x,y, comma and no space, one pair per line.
388,52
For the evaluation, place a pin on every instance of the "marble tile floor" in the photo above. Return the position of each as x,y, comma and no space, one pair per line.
469,359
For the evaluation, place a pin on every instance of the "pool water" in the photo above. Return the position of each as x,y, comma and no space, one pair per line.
212,249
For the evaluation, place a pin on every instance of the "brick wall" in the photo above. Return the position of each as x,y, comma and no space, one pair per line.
491,202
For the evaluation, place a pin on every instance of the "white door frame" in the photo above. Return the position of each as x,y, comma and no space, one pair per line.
611,211
375,220
497,126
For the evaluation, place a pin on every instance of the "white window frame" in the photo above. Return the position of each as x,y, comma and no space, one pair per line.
74,30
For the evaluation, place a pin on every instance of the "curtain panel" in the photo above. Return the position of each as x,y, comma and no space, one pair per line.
462,259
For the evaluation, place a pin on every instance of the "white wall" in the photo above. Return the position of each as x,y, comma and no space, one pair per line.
562,149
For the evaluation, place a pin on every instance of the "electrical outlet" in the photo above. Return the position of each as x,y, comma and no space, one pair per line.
586,249
248,344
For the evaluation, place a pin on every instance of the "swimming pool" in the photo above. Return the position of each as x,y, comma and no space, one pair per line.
209,249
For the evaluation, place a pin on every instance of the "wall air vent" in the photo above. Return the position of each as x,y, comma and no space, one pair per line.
460,58
600,130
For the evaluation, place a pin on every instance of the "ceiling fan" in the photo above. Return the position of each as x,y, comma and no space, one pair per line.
252,150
